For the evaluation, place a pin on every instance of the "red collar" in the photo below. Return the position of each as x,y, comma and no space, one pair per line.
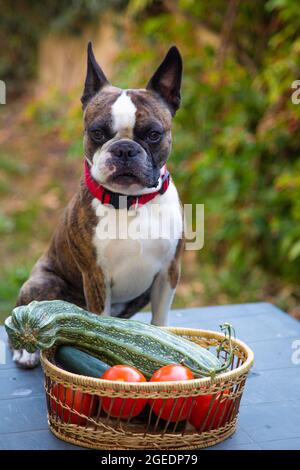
108,197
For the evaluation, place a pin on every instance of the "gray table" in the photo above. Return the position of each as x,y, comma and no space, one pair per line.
270,409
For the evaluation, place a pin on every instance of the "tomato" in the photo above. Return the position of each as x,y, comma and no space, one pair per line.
167,408
123,407
219,411
83,403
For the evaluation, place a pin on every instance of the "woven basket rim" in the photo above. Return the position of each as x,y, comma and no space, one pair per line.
181,385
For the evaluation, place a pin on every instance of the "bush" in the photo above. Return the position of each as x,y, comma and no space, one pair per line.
236,138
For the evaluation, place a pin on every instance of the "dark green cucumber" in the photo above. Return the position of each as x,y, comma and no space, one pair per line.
41,325
79,362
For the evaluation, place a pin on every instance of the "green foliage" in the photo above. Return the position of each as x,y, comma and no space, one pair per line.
9,288
236,138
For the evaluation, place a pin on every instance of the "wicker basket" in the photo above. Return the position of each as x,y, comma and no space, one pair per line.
96,429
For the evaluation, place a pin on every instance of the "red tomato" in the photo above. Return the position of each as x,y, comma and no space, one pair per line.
219,411
167,408
123,407
83,403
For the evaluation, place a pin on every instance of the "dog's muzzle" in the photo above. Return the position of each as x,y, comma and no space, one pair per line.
125,149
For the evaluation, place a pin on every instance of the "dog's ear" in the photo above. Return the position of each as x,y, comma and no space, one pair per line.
95,78
166,81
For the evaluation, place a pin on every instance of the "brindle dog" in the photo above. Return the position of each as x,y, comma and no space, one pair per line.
127,140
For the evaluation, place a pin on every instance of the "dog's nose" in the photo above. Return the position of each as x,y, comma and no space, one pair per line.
125,149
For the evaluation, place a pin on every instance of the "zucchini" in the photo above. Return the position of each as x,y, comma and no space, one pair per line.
79,362
41,325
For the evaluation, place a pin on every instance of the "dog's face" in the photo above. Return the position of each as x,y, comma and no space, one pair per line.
128,132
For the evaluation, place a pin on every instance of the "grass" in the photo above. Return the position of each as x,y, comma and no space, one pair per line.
10,282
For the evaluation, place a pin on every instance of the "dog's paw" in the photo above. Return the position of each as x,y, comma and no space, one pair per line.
25,359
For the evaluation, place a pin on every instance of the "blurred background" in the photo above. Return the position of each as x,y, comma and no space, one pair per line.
236,138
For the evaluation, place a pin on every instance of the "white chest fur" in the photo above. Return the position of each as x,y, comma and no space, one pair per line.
133,246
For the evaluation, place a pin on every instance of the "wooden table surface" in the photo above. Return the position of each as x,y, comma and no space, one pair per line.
270,409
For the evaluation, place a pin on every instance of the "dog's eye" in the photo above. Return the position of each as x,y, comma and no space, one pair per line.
97,135
154,136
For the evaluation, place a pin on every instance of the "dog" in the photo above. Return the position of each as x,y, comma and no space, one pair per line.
127,141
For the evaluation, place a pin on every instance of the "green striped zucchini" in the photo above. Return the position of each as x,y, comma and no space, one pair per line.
41,325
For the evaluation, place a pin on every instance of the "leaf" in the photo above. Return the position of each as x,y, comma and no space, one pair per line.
294,251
